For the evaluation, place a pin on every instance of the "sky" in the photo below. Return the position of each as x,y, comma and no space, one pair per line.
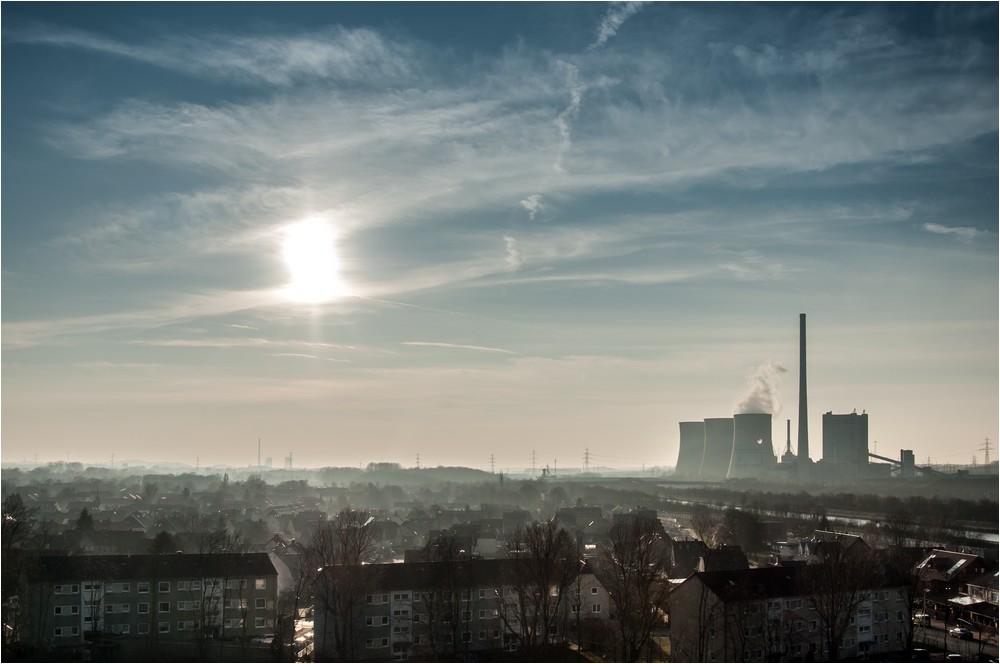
481,234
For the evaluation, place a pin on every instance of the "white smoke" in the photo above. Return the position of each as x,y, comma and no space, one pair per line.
765,390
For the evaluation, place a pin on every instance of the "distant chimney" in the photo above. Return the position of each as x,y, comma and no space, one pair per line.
803,407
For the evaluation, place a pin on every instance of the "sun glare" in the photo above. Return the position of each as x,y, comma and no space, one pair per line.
310,254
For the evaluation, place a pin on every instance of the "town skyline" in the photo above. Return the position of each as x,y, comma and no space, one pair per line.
361,232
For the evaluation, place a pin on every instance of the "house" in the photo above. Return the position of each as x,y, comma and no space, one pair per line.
978,605
723,557
769,614
176,597
944,577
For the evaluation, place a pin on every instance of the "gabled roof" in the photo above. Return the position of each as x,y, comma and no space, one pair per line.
182,565
941,565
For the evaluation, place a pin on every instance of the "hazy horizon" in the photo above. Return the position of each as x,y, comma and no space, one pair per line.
365,232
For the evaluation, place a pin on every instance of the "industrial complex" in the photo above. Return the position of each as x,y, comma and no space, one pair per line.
741,446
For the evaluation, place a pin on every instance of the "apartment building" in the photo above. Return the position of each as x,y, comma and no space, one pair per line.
769,614
425,610
174,597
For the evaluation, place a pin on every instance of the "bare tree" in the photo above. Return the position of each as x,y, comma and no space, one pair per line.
702,522
633,568
835,587
341,549
544,561
440,599
18,526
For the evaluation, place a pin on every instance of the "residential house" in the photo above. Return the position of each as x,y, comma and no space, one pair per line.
944,577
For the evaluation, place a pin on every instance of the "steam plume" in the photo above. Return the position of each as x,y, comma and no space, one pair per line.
765,390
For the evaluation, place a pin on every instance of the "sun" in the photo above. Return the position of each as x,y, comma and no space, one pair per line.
310,254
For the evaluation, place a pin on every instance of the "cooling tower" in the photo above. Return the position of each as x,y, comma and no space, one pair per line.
692,448
753,451
718,448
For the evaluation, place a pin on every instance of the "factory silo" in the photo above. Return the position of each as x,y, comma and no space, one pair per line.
692,449
753,449
718,448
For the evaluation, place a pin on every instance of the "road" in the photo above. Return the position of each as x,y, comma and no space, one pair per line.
937,637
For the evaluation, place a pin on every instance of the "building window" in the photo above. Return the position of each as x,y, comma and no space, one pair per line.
163,607
847,643
182,585
593,591
57,631
466,637
126,628
401,597
260,603
259,623
164,628
143,586
812,625
142,607
196,584
482,593
596,608
793,604
466,616
259,584
124,587
163,587
142,628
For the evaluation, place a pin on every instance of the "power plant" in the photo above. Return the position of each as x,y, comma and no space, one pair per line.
741,446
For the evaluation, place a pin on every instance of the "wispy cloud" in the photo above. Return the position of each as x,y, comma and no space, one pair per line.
513,253
306,356
337,53
964,233
613,20
439,344
533,204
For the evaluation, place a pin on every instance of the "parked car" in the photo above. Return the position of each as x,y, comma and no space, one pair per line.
960,633
265,639
922,619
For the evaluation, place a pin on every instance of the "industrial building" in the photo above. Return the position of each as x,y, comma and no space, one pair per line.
741,446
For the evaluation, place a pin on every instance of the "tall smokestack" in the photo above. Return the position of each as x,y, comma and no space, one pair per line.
803,407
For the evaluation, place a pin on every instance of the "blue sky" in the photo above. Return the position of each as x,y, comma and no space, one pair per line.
543,227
